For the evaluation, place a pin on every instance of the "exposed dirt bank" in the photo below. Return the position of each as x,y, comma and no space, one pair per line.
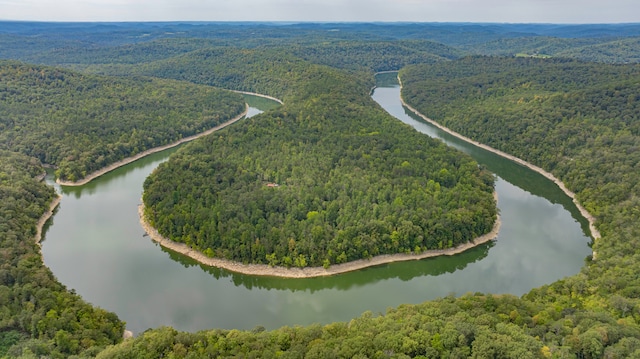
45,217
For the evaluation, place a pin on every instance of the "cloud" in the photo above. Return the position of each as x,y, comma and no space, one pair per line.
327,10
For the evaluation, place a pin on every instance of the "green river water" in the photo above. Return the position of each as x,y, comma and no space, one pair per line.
94,245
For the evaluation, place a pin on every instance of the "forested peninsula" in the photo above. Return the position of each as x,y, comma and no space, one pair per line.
326,179
83,123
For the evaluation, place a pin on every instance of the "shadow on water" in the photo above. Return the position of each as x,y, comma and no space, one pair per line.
49,223
404,271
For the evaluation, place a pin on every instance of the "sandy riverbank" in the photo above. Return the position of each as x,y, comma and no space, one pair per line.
592,228
45,217
310,272
128,160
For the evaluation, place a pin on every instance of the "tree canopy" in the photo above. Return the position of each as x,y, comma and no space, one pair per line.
37,314
578,120
82,123
328,178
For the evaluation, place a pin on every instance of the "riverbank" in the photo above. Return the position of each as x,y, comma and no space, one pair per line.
591,219
127,334
128,160
309,272
259,95
45,217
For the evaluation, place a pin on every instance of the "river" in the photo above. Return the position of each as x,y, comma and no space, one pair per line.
94,245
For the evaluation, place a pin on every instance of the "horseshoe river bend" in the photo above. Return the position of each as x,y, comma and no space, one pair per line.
94,244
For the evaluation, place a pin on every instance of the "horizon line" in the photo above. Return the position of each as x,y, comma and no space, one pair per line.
294,22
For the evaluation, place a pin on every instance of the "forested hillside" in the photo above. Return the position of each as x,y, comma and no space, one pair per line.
614,50
578,120
376,55
111,48
38,316
76,54
272,70
82,123
619,51
349,182
380,55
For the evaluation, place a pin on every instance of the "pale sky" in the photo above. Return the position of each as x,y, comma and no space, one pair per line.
513,11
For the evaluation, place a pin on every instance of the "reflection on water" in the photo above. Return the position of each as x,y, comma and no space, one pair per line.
404,271
95,245
99,184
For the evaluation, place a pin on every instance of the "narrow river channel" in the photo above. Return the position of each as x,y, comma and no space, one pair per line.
94,245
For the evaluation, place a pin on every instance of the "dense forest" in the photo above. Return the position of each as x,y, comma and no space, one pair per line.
376,56
615,50
349,182
82,123
123,43
576,119
38,316
381,55
472,326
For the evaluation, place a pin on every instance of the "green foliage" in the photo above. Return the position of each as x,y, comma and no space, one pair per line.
575,119
8,339
37,314
619,51
82,123
595,49
443,328
122,54
375,55
579,121
352,182
274,72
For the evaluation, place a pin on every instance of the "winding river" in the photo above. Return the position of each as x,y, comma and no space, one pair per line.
95,246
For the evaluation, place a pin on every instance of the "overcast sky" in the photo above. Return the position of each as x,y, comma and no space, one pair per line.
515,11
